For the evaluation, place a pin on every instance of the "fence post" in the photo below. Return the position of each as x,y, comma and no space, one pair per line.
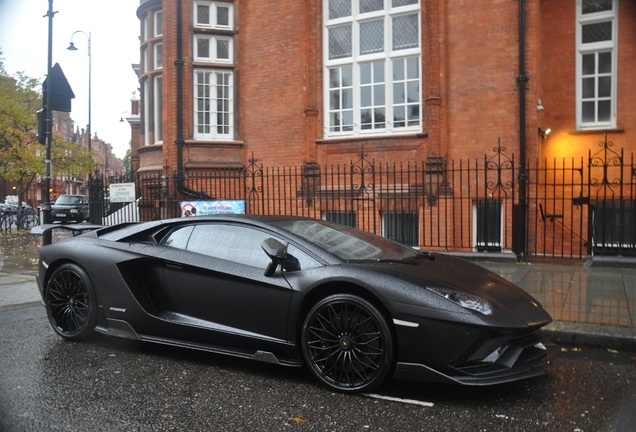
96,197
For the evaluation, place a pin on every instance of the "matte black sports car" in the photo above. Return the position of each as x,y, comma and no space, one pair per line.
354,307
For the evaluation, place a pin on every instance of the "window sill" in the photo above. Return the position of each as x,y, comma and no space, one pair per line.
206,142
357,138
596,131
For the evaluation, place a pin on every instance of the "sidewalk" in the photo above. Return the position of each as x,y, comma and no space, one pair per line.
18,266
591,305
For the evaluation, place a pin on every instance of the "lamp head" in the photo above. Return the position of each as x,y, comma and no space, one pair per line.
72,47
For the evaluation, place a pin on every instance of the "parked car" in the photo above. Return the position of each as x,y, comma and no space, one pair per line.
70,208
354,307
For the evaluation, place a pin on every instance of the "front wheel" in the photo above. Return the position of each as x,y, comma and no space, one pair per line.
347,343
70,302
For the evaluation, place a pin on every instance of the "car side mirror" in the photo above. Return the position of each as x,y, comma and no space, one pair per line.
276,251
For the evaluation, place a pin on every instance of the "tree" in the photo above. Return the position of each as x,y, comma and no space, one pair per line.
127,162
22,157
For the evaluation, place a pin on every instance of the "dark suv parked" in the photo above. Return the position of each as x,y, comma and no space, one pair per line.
70,208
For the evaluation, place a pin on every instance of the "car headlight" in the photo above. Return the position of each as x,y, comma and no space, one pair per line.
465,300
73,211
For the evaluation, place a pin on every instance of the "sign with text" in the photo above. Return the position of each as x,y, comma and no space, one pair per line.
122,192
205,208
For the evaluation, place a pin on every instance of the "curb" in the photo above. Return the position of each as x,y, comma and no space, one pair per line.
591,335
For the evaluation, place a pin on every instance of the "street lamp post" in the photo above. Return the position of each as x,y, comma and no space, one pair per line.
46,208
72,47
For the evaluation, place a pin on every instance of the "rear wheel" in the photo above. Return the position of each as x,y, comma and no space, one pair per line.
70,302
29,220
347,343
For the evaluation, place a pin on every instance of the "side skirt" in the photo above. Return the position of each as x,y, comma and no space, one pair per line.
122,329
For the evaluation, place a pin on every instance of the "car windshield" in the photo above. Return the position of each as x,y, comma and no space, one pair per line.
69,200
347,243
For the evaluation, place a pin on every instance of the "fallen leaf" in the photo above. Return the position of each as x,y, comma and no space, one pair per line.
300,419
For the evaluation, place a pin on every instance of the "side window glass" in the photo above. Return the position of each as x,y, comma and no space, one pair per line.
178,238
230,243
306,262
238,244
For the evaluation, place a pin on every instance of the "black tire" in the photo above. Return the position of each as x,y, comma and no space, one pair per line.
70,302
347,343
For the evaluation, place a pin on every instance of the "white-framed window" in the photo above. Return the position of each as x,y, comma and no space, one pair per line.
144,31
342,217
158,55
144,59
487,225
213,104
596,41
372,57
158,108
158,24
212,14
401,226
213,48
146,111
614,225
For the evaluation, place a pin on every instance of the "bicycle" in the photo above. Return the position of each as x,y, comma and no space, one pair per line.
28,218
22,218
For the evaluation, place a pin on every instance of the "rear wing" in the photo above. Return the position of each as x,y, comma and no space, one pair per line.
76,229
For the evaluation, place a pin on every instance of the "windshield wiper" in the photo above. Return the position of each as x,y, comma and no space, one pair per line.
408,260
419,256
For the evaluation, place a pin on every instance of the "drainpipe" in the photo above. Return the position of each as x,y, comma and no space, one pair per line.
179,141
520,245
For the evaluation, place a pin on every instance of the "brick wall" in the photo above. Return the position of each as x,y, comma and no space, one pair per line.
469,90
272,79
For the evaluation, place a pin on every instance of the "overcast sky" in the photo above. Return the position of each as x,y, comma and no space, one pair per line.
114,30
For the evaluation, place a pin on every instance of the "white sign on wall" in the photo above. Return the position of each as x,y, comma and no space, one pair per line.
122,192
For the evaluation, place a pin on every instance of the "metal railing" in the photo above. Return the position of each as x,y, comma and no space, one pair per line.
574,208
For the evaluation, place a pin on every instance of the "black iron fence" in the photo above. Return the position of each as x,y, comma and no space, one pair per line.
574,208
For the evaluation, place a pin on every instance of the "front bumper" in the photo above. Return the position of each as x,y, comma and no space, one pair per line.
64,216
495,360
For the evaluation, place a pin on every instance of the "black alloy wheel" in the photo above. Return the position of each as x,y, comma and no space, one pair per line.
70,303
347,344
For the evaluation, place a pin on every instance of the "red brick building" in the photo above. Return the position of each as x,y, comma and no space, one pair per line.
316,81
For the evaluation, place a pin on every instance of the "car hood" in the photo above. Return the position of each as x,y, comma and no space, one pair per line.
512,306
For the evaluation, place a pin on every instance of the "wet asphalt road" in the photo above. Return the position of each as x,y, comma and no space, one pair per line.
106,384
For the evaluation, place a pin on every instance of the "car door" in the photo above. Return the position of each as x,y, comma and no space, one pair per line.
218,281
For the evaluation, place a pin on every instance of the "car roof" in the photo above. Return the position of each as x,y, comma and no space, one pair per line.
128,230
